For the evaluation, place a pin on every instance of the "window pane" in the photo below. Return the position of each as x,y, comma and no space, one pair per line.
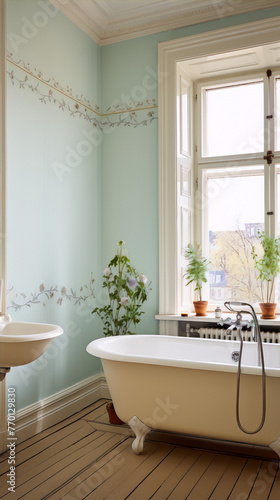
278,114
278,223
277,198
235,212
234,120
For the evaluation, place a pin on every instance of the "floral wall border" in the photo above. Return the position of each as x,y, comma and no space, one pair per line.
78,105
44,294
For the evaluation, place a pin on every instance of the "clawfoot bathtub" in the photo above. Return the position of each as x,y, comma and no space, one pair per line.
188,386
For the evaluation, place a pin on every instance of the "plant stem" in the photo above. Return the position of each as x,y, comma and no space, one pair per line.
272,286
267,291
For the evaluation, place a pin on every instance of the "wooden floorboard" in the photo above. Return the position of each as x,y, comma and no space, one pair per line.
86,458
229,478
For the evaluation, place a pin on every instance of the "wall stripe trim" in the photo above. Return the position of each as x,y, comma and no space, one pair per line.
130,108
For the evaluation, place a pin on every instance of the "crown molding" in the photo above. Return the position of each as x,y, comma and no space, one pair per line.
105,27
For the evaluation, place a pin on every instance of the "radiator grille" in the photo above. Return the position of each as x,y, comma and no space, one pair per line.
217,333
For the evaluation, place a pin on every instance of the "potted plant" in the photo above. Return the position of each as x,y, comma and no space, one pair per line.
127,290
196,272
268,266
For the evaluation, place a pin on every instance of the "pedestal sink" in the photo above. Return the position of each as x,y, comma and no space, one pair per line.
20,343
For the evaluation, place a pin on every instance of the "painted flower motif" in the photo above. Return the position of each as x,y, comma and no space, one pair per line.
124,301
132,283
143,278
107,272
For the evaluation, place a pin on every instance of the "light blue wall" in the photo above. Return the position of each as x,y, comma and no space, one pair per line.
53,191
78,182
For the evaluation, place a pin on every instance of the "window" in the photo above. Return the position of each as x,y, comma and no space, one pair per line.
236,185
256,43
277,109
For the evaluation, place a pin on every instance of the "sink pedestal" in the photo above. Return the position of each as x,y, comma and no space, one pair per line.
3,416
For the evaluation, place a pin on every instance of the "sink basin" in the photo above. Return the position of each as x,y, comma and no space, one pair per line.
22,343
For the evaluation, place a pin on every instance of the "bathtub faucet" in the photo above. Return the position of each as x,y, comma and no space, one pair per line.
239,323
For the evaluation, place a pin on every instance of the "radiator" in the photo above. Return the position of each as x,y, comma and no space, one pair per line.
217,333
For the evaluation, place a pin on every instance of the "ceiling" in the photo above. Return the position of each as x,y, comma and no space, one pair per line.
109,21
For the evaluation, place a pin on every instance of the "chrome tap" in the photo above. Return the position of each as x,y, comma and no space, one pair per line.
238,324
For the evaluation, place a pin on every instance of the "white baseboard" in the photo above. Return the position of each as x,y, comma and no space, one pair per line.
53,409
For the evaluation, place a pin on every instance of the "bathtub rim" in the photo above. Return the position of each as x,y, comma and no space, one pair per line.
96,348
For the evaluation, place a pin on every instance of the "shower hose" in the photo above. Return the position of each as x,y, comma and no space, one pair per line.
238,326
238,385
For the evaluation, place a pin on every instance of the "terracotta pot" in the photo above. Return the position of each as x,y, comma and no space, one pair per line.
113,417
268,310
200,307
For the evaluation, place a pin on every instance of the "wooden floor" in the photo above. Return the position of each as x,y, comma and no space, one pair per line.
86,457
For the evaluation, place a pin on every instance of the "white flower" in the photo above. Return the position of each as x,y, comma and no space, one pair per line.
124,301
131,283
143,278
107,272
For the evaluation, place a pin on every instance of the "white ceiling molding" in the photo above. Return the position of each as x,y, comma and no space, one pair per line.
110,21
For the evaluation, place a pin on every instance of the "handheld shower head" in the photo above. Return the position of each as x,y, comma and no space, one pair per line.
229,305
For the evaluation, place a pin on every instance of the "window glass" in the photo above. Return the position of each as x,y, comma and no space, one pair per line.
277,224
233,220
277,198
277,114
233,120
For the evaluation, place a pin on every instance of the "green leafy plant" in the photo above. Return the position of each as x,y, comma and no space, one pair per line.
196,269
127,291
268,264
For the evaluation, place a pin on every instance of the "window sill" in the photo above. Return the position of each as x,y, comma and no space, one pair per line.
210,318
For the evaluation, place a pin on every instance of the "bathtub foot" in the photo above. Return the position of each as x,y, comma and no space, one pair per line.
140,430
276,447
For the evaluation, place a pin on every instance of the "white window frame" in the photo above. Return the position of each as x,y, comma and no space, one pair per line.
170,53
